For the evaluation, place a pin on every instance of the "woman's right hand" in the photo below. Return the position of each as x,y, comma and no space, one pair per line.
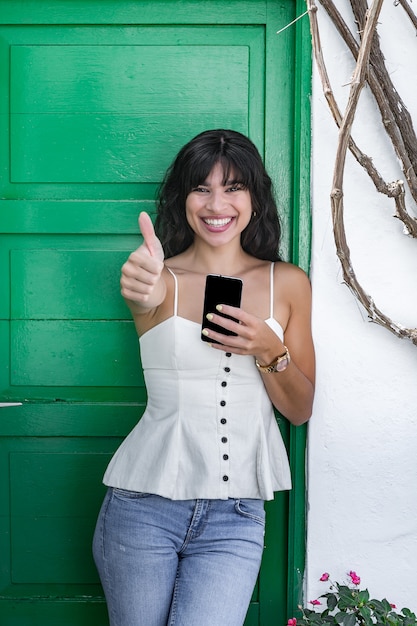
141,282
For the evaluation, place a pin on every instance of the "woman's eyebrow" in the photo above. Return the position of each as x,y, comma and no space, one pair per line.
226,183
233,181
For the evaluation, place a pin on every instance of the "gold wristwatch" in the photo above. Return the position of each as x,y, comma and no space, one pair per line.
279,364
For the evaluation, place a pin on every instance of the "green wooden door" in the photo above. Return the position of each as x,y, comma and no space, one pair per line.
96,97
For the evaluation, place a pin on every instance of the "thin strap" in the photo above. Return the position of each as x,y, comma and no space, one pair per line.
271,292
175,291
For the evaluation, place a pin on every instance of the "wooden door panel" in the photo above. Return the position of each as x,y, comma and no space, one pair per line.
60,611
48,520
69,335
102,99
66,354
66,284
95,100
51,498
61,419
115,113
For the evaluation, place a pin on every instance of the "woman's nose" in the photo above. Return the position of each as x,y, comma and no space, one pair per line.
216,202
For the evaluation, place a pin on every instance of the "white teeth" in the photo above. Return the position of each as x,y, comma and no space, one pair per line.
218,222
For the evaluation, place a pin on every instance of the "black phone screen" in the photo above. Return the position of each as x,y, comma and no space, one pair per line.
220,290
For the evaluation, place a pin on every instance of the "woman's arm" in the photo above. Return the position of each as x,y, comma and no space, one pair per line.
292,390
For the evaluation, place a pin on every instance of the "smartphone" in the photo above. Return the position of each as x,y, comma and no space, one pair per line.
220,290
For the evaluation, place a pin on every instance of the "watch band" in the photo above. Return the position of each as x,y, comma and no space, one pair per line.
279,364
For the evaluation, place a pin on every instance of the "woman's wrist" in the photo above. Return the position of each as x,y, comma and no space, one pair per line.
274,349
278,364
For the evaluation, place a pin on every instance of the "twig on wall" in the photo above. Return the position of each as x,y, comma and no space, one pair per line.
389,102
400,131
408,10
364,160
388,99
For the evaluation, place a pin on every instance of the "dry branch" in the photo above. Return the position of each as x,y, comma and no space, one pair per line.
391,190
387,106
396,190
408,10
395,103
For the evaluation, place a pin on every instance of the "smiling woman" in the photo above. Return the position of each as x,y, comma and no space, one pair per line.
185,504
219,207
190,171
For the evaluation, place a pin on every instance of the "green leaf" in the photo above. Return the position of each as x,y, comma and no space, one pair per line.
363,596
347,603
331,601
350,620
386,605
348,597
365,613
377,605
315,618
339,618
345,591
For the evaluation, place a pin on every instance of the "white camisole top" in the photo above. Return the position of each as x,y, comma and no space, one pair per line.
209,428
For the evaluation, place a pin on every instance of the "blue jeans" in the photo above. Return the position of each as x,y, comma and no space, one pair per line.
178,562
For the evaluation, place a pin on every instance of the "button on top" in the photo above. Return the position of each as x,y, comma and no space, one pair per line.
224,439
224,383
225,457
223,403
227,369
223,420
225,478
228,354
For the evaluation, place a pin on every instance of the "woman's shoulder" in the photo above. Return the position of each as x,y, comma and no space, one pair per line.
289,271
291,282
178,264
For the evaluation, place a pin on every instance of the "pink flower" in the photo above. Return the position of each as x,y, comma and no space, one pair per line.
315,602
393,606
355,578
324,577
292,622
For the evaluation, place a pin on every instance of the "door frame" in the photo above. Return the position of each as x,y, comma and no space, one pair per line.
301,255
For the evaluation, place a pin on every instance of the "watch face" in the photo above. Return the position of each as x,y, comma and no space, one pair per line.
281,365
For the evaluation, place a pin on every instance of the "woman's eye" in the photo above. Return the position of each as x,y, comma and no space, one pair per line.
238,187
200,189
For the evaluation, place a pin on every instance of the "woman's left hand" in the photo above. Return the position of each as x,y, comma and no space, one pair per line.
253,335
291,391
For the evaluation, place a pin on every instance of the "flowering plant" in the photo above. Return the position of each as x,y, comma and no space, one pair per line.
347,605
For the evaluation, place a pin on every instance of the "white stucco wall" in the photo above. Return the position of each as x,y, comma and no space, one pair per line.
362,439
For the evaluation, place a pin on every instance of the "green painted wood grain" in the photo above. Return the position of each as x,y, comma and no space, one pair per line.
96,97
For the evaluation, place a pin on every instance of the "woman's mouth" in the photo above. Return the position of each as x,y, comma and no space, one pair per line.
214,222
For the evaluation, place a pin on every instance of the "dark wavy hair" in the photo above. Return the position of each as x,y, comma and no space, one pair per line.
194,162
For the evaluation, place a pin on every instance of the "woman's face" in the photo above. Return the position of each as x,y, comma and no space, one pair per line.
217,212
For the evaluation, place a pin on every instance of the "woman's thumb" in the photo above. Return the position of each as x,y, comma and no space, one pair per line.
150,240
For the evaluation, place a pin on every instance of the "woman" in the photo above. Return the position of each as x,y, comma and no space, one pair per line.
179,539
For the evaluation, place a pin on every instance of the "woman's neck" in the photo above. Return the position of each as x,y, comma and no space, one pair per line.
229,260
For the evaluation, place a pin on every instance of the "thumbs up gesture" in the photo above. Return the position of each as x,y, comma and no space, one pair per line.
141,282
